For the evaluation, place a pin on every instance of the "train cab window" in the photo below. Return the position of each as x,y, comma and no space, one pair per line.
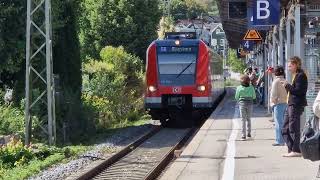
177,68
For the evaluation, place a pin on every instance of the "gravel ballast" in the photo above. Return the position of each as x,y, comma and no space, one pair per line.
100,151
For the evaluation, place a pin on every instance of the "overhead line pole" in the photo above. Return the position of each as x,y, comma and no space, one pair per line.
28,122
38,53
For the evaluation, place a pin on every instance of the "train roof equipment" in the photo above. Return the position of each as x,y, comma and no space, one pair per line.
180,35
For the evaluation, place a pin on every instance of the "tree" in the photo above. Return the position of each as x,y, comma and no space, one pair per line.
97,23
195,9
178,9
186,9
67,64
210,6
13,41
12,38
66,52
128,23
166,25
237,65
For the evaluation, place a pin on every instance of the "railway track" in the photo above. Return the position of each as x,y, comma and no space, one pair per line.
143,159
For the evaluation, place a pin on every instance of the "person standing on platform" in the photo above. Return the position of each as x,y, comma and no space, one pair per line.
251,74
316,108
278,102
297,91
260,84
245,95
316,111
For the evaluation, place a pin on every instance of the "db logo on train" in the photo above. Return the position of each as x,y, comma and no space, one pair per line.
176,89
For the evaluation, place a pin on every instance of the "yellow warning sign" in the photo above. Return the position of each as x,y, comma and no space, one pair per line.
252,35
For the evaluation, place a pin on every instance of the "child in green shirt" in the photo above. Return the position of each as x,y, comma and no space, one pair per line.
245,95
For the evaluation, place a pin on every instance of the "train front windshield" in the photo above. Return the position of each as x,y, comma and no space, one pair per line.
177,65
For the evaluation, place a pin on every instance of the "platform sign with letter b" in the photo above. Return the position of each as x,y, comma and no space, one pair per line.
266,12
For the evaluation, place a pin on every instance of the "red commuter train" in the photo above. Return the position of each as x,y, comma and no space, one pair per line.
182,75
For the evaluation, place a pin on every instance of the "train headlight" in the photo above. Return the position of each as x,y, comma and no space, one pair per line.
201,88
177,42
152,88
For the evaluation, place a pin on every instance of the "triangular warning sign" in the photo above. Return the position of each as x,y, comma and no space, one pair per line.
252,35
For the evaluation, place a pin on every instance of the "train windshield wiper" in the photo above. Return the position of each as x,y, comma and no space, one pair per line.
186,68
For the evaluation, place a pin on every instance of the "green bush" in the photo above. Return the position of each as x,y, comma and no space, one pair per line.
15,154
42,151
33,167
20,162
237,65
113,87
11,120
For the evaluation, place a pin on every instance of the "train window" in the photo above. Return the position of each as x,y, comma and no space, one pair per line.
177,68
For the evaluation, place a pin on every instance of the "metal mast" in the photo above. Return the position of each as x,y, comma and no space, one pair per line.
39,68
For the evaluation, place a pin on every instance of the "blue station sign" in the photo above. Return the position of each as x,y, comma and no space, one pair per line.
250,21
248,45
266,13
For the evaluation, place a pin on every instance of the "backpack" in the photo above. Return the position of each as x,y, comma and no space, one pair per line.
310,140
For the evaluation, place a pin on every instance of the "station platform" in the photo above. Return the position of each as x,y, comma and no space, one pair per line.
217,153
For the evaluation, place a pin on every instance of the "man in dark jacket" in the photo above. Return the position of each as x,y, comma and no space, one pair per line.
296,103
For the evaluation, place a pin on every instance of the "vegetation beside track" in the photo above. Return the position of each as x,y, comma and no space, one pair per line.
19,162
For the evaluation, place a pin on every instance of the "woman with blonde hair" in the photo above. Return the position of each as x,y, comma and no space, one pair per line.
296,99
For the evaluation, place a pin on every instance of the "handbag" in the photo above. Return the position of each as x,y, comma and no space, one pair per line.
310,140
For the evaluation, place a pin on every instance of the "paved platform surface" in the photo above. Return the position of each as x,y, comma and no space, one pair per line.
216,152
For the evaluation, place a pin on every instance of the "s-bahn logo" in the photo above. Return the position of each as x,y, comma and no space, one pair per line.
163,49
176,89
